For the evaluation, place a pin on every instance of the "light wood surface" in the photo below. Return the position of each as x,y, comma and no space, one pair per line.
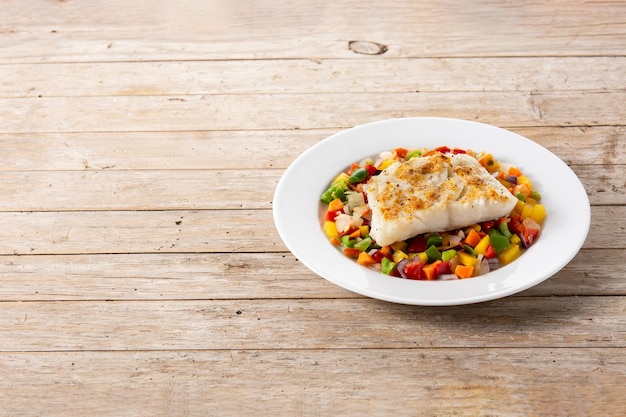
140,270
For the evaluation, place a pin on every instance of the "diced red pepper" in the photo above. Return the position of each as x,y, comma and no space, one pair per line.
486,226
490,252
413,270
371,169
457,151
528,236
417,244
443,149
330,215
444,268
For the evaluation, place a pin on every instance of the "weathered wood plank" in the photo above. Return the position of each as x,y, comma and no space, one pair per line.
313,76
213,30
83,232
247,149
530,322
200,189
459,382
276,111
238,276
138,190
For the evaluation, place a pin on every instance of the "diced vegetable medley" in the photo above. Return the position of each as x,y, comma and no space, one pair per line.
456,254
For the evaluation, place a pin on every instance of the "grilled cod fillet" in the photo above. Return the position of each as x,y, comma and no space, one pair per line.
433,193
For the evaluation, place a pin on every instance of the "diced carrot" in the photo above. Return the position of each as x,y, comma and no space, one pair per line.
472,238
335,205
365,258
515,171
489,163
522,189
356,233
430,270
335,241
351,252
385,250
463,271
353,168
401,152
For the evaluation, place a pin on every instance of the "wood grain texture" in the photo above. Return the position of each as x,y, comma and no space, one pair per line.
266,111
135,151
379,382
193,30
295,324
318,76
230,276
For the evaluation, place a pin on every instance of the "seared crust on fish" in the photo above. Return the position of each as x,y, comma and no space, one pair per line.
433,193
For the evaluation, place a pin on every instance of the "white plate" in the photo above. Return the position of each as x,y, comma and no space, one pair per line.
296,209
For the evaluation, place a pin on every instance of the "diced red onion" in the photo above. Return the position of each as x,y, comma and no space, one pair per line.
512,179
401,266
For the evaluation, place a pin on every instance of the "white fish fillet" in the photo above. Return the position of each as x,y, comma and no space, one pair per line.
433,193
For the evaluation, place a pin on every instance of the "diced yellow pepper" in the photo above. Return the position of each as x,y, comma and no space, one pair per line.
515,240
399,255
509,255
343,177
385,164
525,211
365,230
481,247
330,228
466,259
399,246
538,213
523,179
423,257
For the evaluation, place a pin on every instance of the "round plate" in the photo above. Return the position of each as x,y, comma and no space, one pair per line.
297,209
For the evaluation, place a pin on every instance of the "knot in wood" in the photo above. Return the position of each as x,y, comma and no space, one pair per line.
367,47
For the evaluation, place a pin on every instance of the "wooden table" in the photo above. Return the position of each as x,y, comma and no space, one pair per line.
140,270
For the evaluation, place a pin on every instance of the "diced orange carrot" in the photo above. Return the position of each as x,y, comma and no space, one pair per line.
515,171
385,250
365,258
401,152
463,271
335,241
472,238
335,205
355,234
353,168
351,252
430,270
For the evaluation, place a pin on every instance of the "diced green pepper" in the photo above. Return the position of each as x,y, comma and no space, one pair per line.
433,253
434,241
363,244
469,249
498,241
358,175
412,154
521,197
448,254
347,242
336,190
387,266
504,228
535,195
